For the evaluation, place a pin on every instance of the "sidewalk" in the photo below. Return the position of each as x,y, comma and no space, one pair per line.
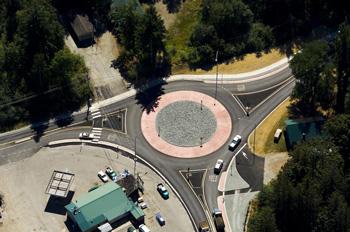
234,202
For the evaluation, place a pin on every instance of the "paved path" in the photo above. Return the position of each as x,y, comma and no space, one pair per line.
218,139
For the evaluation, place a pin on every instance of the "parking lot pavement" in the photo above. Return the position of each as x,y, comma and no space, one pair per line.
23,185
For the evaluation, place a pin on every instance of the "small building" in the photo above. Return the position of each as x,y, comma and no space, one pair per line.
302,129
82,30
102,207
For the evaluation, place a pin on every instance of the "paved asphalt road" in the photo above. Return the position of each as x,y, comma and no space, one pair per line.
169,166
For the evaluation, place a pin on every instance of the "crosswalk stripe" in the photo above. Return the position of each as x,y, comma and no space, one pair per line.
97,129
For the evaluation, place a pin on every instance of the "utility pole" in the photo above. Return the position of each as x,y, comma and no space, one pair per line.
217,72
135,158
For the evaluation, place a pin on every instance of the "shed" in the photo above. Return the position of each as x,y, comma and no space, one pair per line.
302,129
82,30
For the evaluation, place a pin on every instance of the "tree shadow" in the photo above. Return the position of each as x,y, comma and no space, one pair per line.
148,97
56,205
300,109
173,6
64,119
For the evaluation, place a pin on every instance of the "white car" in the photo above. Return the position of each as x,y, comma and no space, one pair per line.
236,140
218,166
144,228
143,205
102,176
85,135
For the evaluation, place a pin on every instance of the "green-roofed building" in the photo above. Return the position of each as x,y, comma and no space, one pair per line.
106,204
302,129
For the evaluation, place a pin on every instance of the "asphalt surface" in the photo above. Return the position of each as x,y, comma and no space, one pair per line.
252,172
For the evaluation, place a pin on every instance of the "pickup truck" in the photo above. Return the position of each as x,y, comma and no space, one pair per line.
218,220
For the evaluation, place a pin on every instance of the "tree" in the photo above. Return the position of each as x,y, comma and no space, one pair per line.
68,72
260,38
263,221
338,129
313,72
343,65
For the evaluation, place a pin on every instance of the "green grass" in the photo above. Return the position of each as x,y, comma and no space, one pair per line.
181,30
261,140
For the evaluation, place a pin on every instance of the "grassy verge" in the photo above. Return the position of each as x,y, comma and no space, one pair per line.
250,62
181,29
264,143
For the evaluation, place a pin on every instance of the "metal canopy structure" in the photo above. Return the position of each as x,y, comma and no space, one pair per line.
60,183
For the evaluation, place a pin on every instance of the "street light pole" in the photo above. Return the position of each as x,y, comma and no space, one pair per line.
217,72
135,158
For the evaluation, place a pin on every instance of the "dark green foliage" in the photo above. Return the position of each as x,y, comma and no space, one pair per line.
260,38
263,221
309,193
343,67
35,70
338,128
315,81
226,24
141,35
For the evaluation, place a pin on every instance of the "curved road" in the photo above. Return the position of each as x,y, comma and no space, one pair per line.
168,166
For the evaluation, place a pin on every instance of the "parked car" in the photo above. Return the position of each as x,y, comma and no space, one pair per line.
163,191
143,205
102,176
86,135
218,166
160,219
131,229
111,173
236,140
144,228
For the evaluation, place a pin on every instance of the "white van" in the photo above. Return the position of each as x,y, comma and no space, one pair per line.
144,228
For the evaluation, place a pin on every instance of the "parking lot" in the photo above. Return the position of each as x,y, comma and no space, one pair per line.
23,185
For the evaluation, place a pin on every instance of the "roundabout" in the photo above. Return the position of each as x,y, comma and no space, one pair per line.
187,124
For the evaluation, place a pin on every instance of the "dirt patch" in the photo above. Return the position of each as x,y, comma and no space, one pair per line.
250,62
167,17
106,80
273,164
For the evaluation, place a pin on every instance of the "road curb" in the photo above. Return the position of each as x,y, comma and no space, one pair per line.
116,147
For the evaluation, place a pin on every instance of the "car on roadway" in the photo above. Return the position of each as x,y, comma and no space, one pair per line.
235,142
218,166
86,135
102,175
111,173
163,191
144,228
160,219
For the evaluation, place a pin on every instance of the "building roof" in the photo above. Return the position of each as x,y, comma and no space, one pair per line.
295,128
82,27
104,204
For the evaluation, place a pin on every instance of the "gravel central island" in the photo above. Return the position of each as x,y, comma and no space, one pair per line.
186,124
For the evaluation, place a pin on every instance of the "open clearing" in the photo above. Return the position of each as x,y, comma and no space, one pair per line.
249,63
263,142
26,204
